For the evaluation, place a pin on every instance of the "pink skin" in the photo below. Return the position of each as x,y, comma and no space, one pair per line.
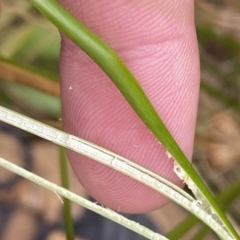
156,39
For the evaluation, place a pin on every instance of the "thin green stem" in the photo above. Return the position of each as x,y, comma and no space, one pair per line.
68,221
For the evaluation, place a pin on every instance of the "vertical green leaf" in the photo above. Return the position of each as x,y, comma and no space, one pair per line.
68,221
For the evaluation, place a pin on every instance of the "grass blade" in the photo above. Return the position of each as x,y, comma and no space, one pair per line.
68,221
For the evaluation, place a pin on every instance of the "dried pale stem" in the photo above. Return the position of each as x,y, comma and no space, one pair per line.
12,73
141,230
116,162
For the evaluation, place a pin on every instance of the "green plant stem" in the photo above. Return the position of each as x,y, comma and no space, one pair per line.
68,221
112,65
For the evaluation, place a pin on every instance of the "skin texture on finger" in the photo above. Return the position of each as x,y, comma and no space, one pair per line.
156,39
